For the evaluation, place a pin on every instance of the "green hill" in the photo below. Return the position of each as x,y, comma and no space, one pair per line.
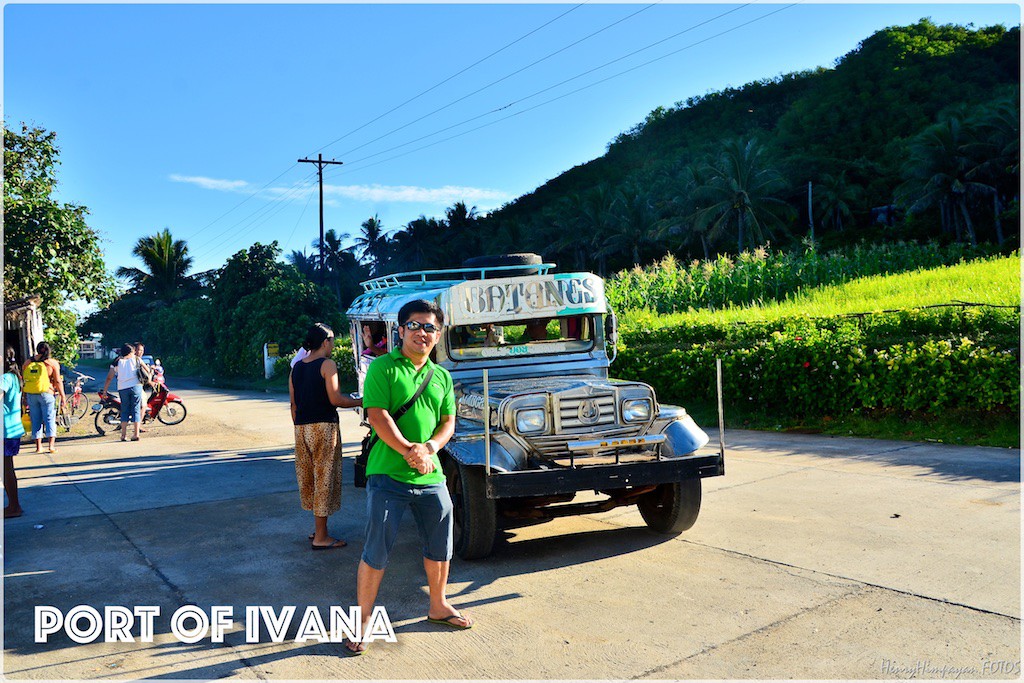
850,129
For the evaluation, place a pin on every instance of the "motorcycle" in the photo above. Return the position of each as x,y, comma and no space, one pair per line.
162,405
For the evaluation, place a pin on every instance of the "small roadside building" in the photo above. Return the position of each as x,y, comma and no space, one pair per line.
23,326
91,347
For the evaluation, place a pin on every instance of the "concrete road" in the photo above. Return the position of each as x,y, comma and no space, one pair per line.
814,557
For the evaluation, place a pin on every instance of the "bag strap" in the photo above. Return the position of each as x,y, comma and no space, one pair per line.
405,407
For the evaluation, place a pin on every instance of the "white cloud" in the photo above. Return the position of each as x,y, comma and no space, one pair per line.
408,193
211,183
449,194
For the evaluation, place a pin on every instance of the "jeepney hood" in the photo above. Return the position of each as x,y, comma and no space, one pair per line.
502,389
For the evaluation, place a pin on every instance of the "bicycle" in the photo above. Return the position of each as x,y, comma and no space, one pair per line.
77,400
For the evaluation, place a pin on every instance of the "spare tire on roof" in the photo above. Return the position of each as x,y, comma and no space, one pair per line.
524,259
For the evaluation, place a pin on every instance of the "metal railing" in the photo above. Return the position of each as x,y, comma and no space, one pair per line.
446,276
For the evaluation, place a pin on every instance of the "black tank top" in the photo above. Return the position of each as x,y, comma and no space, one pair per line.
311,402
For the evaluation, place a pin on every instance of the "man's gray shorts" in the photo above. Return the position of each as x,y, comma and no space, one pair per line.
386,501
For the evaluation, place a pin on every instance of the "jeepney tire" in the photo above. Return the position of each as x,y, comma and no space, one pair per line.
521,259
529,263
671,508
475,515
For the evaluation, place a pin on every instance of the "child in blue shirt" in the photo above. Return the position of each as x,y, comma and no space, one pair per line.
13,431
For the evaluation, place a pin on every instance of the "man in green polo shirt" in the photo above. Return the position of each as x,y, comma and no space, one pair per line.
403,470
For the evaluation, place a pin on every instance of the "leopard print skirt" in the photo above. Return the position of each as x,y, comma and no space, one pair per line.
318,467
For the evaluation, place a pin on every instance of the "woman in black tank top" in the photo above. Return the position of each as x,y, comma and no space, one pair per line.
313,390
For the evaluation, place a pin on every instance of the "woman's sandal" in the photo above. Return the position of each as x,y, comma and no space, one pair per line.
449,621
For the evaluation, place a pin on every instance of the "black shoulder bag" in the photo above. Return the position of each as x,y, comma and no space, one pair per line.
371,437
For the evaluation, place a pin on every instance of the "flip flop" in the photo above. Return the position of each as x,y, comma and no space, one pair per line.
337,544
447,621
8,515
354,653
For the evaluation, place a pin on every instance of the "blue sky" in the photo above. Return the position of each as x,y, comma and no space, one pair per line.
172,115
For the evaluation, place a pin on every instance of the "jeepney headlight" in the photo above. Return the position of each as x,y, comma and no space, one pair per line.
636,410
531,420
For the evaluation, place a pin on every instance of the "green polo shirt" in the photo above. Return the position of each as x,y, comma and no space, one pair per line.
391,380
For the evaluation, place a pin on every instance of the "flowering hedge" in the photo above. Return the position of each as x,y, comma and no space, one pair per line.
942,359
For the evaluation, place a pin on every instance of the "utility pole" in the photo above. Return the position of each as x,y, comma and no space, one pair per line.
320,163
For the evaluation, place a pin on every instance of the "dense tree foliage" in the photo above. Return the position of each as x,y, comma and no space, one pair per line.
49,249
873,132
220,328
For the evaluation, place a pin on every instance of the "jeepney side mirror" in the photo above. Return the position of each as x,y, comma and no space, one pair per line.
611,335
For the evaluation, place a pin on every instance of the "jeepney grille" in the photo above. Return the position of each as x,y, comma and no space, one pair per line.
569,413
556,446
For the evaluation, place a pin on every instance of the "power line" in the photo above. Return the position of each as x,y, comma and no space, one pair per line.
396,108
503,78
563,82
299,220
458,73
299,184
252,225
254,219
527,97
246,199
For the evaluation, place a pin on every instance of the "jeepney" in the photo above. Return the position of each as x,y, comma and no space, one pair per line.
538,419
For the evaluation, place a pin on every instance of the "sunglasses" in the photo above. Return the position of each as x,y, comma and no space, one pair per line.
429,328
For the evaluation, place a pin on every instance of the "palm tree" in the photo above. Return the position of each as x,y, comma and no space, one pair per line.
636,227
422,244
306,265
596,222
508,236
998,146
940,171
337,259
372,245
683,231
834,196
166,262
741,195
566,228
463,227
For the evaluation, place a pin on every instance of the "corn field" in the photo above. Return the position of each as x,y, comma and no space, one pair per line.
761,276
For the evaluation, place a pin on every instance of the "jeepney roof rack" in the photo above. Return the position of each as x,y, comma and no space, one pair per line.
445,277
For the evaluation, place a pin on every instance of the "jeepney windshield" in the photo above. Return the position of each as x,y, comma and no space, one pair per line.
537,336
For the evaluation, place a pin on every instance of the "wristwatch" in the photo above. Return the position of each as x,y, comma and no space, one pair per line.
431,446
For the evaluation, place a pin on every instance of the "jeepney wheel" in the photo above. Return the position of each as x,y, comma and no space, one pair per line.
475,516
671,508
